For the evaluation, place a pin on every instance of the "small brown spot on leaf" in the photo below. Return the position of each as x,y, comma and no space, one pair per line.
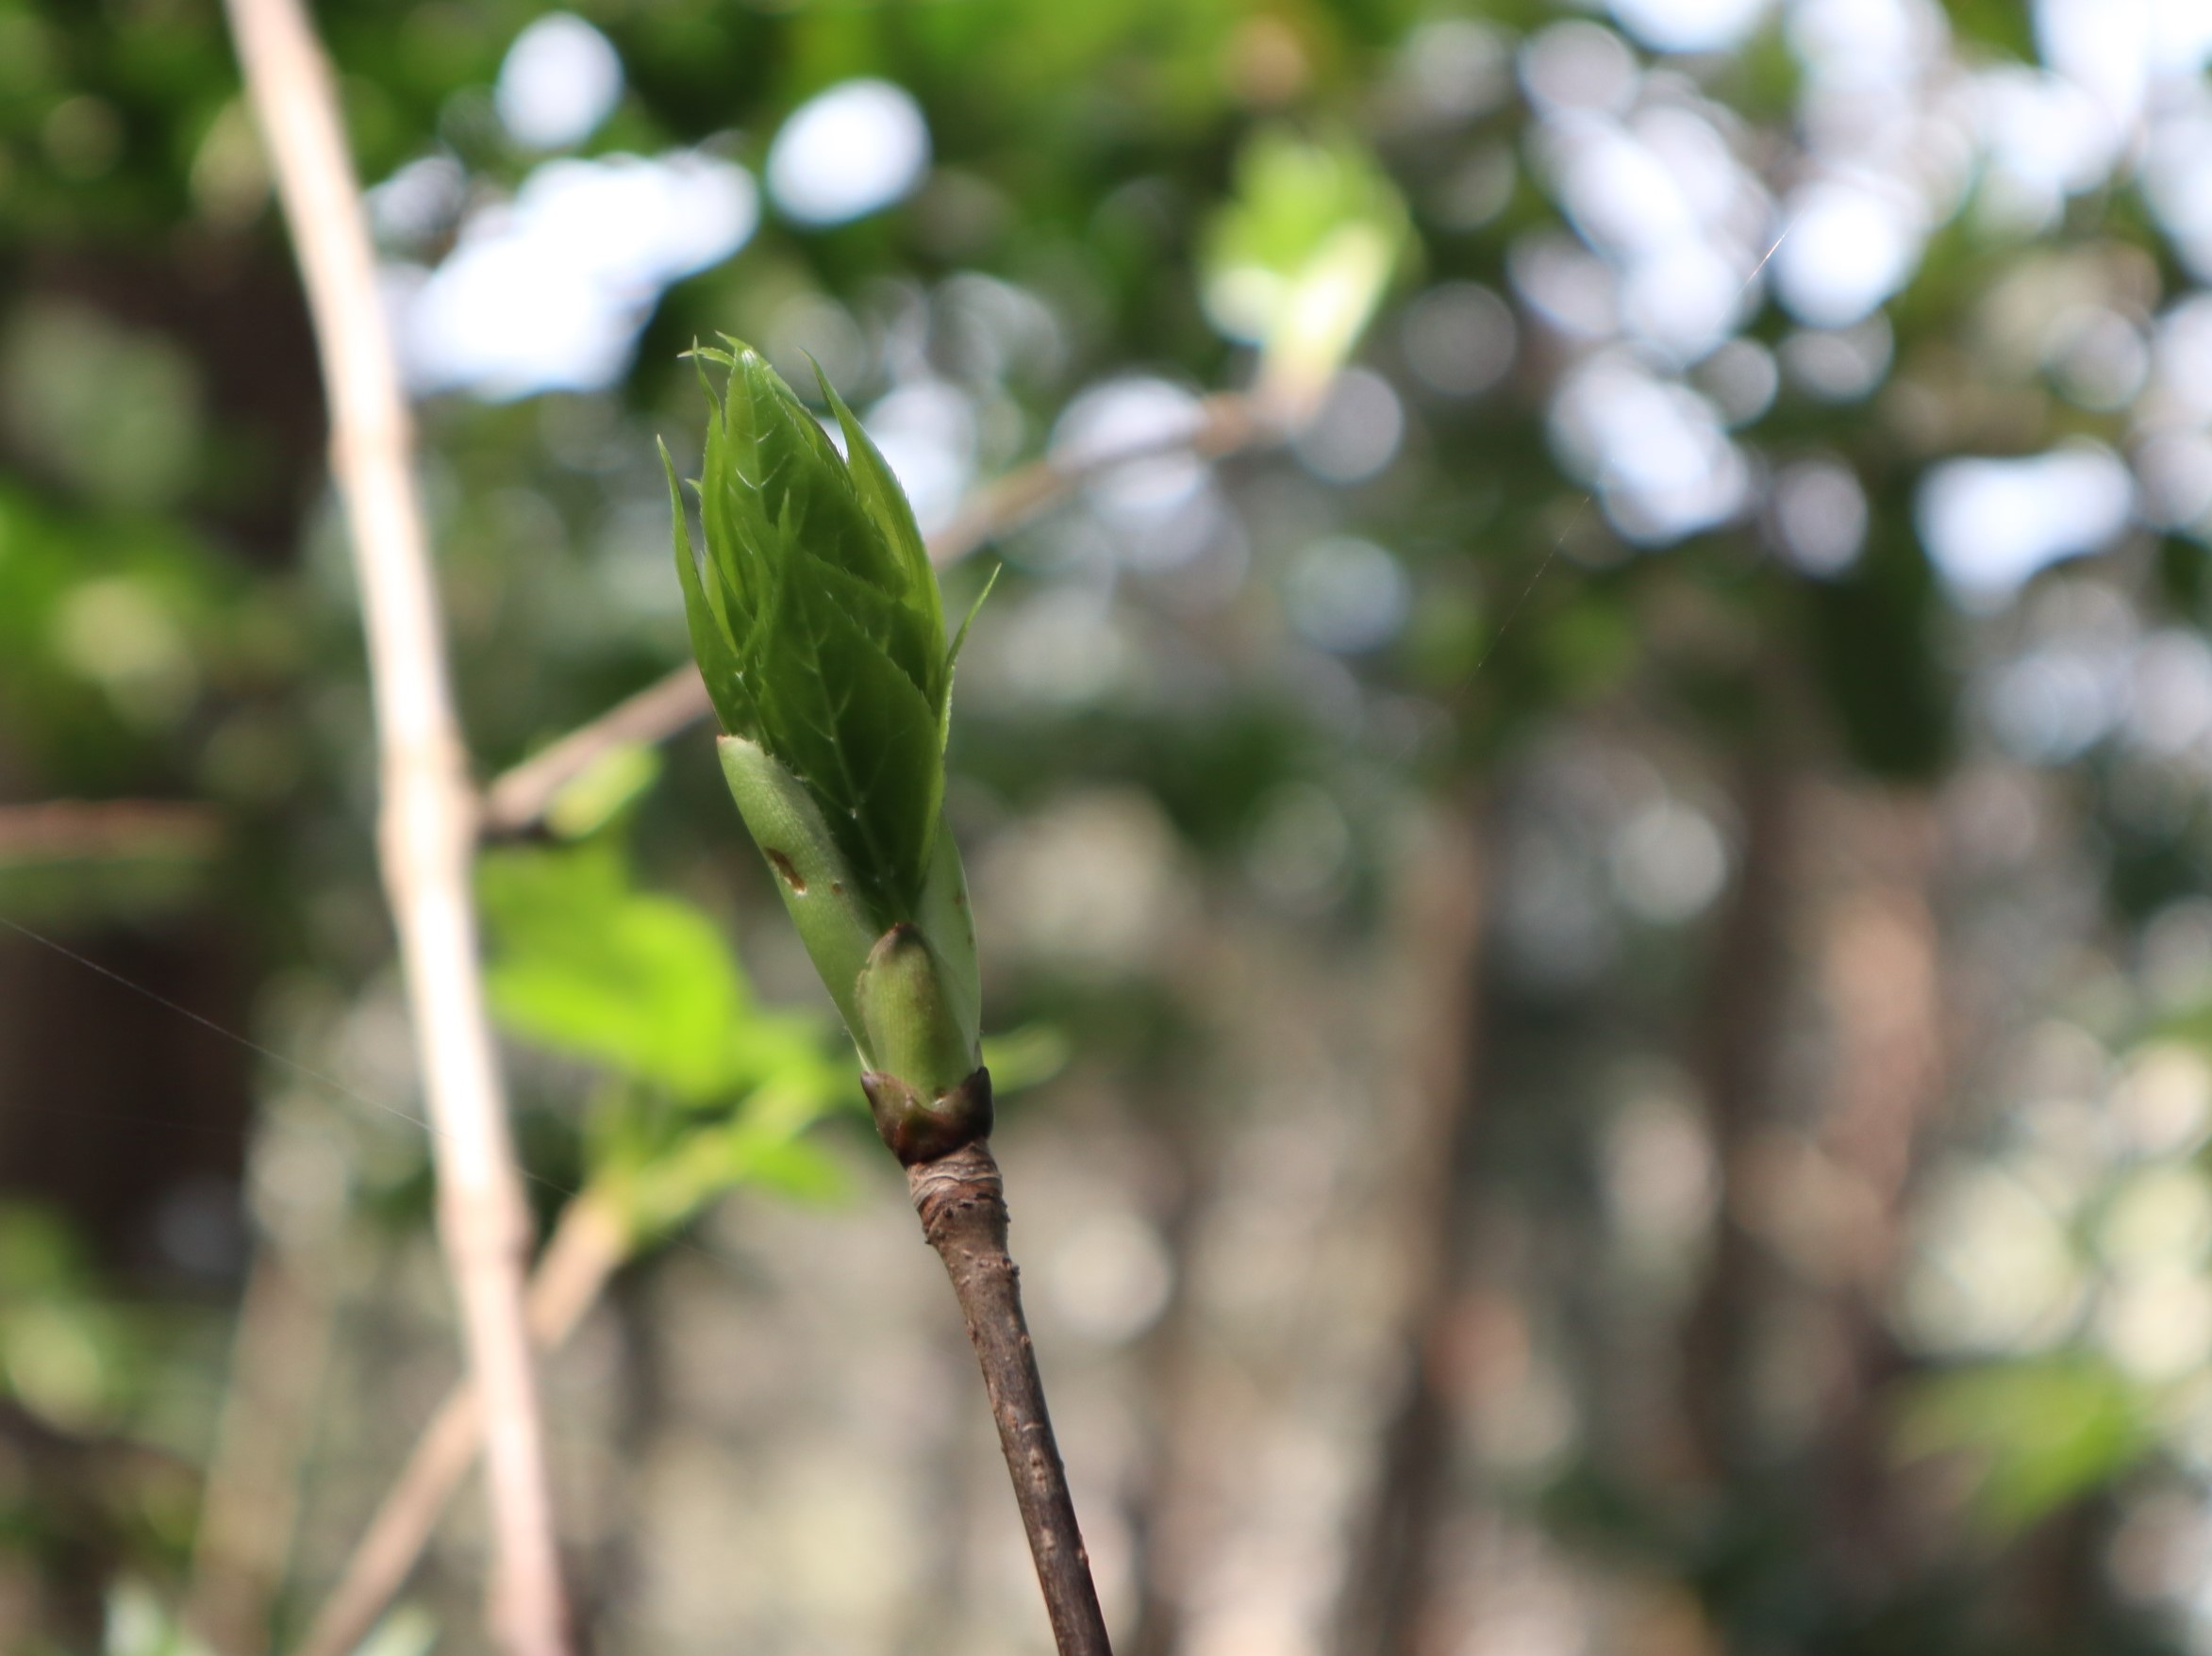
791,876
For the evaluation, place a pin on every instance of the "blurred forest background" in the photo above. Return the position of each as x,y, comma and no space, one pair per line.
1601,964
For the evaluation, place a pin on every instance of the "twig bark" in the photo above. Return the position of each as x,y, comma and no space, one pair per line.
1228,422
588,1247
963,1208
428,828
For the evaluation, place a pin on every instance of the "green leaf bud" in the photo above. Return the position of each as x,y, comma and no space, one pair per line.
817,622
820,631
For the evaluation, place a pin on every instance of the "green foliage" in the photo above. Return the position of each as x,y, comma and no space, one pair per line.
1025,1056
66,1355
1872,637
1292,198
642,984
1998,27
819,890
114,413
2039,1432
1298,260
909,991
906,1026
657,1168
605,787
705,1091
152,640
817,624
110,627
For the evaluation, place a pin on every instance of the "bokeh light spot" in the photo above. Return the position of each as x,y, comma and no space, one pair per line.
560,79
848,152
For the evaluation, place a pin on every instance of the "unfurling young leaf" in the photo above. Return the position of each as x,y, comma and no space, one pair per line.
1298,260
820,631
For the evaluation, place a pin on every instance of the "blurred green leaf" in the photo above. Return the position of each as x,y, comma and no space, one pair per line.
36,1254
114,413
1298,260
601,791
65,1353
1025,1057
2039,1432
659,1172
584,965
804,1172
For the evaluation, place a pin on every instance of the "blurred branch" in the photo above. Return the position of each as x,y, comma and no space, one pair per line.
428,830
520,797
69,830
588,1247
1228,422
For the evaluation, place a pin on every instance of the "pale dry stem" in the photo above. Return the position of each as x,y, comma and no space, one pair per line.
428,830
589,1245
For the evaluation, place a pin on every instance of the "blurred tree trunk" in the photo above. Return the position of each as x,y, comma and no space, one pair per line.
136,1132
1881,976
1388,1606
1813,1203
1737,1037
232,303
1160,1518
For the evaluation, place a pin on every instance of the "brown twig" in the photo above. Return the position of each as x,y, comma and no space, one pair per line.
962,1204
428,830
589,1245
1227,423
